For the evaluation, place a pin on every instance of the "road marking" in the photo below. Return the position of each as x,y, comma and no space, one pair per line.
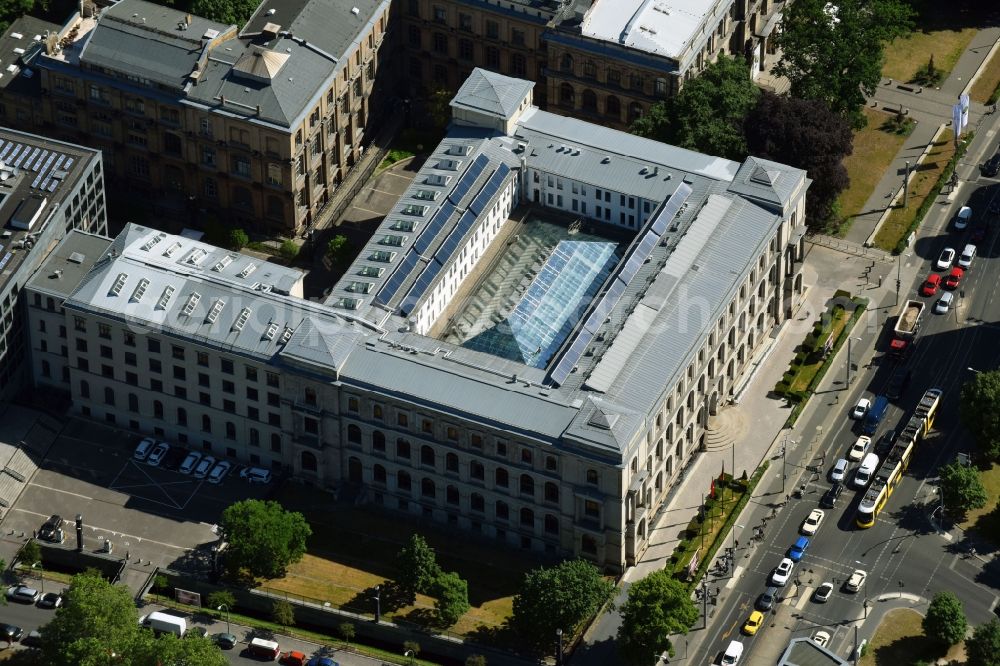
806,592
123,535
60,490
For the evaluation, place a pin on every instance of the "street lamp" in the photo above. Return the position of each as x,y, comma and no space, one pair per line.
221,606
978,372
559,650
378,603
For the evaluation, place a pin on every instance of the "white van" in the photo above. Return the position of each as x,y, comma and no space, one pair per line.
145,446
864,473
732,655
264,649
256,475
968,254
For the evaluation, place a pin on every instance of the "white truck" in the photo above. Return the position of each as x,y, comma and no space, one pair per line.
162,623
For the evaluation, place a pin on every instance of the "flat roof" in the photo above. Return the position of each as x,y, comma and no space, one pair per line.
662,27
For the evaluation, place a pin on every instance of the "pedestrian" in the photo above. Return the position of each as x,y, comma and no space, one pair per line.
737,543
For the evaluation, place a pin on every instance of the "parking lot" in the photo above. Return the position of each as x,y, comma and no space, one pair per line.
152,515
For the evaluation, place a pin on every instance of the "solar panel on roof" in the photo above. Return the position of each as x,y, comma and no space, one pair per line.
34,154
52,186
41,160
468,179
632,266
20,158
69,162
571,357
490,189
6,258
424,282
395,281
433,228
6,149
669,210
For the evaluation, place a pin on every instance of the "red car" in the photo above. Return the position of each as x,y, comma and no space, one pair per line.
954,277
931,285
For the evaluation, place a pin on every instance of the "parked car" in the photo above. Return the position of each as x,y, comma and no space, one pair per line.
944,303
812,522
991,167
219,472
175,456
33,639
856,581
753,623
968,254
860,409
884,444
781,572
255,475
157,455
798,549
732,655
963,218
322,661
190,462
10,633
823,592
830,497
930,285
954,278
821,638
839,470
23,594
142,451
225,641
204,467
898,382
767,599
293,658
859,448
50,600
51,530
945,259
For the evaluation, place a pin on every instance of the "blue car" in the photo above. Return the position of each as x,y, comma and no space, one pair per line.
322,661
798,549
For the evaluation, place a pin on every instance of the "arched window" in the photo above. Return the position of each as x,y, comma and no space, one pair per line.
109,396
157,409
378,475
310,396
451,495
133,403
276,442
230,430
589,69
402,480
500,478
402,448
566,63
275,208
588,545
206,421
551,492
426,456
182,417
477,503
451,462
634,111
427,488
377,412
502,511
592,476
378,440
242,198
353,434
308,459
551,524
527,485
613,107
527,517
84,389
567,97
477,471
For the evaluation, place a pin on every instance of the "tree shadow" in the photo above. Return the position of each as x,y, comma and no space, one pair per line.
910,650
391,599
422,617
503,636
914,518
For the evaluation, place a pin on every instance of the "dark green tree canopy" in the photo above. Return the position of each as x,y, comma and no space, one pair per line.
658,606
452,598
834,51
945,620
983,648
233,12
558,597
808,135
263,538
707,114
417,570
980,411
963,488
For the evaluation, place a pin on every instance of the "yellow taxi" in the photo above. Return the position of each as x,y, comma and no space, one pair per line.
753,623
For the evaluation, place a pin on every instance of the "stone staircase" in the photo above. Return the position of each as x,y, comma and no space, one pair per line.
724,428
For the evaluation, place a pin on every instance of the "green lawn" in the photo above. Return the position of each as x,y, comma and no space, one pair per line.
899,639
985,522
904,56
988,83
874,150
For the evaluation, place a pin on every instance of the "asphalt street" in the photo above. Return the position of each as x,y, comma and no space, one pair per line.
30,617
906,555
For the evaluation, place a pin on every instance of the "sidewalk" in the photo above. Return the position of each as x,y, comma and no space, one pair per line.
930,109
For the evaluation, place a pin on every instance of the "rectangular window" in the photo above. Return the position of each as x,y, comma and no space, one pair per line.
153,345
202,359
226,365
154,366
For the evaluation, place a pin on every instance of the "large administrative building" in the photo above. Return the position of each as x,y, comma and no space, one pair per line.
528,348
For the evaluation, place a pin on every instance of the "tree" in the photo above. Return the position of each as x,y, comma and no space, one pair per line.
962,488
283,613
337,248
657,607
31,553
945,620
169,649
263,538
235,12
288,250
558,597
238,239
439,108
452,598
417,569
707,114
97,618
983,648
808,135
220,598
834,51
346,630
979,407
475,660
